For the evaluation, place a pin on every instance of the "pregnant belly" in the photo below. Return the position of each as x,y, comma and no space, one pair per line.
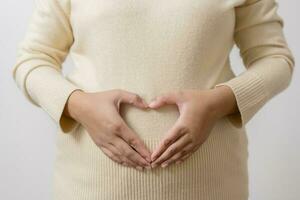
149,123
217,169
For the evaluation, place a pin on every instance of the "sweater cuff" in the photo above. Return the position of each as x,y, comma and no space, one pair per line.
48,88
250,95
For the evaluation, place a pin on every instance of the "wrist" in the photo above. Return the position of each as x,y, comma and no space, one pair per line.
72,107
224,101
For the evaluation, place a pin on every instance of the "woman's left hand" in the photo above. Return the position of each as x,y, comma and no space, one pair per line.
199,110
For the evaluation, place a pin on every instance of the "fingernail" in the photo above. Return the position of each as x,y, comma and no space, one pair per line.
153,158
153,165
144,162
151,103
164,165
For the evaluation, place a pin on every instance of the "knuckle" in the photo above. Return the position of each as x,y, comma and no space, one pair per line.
117,154
183,152
190,138
99,142
135,98
167,142
129,154
114,158
115,127
133,142
130,140
173,150
110,142
184,129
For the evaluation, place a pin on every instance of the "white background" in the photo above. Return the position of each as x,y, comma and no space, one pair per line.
27,142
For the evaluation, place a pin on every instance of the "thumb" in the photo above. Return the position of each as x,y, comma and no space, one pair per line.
133,99
166,99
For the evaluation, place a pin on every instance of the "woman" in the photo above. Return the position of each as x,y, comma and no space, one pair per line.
153,89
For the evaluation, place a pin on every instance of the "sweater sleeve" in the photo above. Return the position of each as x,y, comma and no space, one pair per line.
266,56
38,68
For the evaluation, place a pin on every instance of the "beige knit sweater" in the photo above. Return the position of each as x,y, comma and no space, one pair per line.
151,47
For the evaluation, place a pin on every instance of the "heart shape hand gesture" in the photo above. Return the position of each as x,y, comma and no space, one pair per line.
199,110
99,113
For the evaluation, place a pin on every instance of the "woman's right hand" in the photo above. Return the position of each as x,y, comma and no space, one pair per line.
99,113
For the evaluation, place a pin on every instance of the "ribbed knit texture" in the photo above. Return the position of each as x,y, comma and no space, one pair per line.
153,47
217,170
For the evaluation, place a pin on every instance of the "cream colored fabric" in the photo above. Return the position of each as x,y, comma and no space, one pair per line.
152,47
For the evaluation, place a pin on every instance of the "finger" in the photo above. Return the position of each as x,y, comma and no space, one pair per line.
122,130
169,98
186,150
186,156
183,158
176,147
135,142
133,99
130,153
173,134
117,154
111,155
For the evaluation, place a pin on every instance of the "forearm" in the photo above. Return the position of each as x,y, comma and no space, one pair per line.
48,88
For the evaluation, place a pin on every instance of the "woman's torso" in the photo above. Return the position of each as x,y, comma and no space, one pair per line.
152,47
